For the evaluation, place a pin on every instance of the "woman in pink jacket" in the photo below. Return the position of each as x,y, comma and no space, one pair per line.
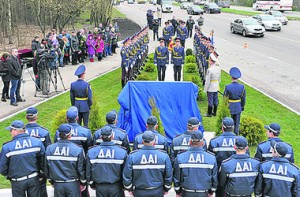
91,44
99,47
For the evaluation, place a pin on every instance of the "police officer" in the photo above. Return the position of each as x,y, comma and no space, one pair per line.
264,149
177,59
161,142
125,62
236,95
278,177
22,161
211,87
161,59
239,174
35,130
182,33
79,135
65,164
109,158
195,171
81,96
148,171
190,25
181,143
119,135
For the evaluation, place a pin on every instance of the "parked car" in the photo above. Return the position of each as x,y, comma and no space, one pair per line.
199,2
211,8
247,27
141,1
194,9
224,4
184,5
279,16
166,6
130,2
269,22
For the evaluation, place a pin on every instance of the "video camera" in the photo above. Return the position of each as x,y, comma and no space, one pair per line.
48,57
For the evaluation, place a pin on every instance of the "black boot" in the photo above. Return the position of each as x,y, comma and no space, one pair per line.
209,112
215,110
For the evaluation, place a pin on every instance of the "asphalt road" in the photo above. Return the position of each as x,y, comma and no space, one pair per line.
271,64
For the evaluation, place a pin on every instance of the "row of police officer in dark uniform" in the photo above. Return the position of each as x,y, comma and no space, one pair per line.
225,168
133,54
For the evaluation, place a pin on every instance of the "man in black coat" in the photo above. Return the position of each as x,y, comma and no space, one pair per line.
155,29
190,25
35,46
14,73
175,24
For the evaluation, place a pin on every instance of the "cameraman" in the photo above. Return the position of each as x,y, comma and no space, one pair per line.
44,71
35,45
4,75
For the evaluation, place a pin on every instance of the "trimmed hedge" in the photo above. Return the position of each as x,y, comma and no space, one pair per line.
189,52
223,111
59,118
95,119
252,129
191,68
149,67
143,77
190,59
151,57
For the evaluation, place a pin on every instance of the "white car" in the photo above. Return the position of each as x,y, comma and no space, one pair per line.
166,6
279,16
268,22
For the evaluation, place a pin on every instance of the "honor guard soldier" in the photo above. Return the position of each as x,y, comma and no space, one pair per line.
239,174
195,171
181,143
125,62
177,59
79,135
182,33
65,165
264,149
211,87
236,95
81,96
278,177
35,130
161,59
161,142
148,171
109,158
119,135
167,33
22,161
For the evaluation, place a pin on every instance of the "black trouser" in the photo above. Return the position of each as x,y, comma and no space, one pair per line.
177,72
236,118
109,190
74,57
113,48
158,192
44,187
5,89
30,186
159,21
161,72
190,32
81,57
182,42
71,189
155,33
83,117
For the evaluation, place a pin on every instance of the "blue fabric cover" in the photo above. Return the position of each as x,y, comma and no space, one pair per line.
175,100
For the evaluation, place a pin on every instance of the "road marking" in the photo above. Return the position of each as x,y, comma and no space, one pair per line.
273,58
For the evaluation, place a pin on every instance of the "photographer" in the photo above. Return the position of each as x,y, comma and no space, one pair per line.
35,45
4,75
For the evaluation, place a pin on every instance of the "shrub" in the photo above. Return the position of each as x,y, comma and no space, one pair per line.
190,59
189,52
151,57
143,77
149,67
191,68
223,111
59,118
252,129
95,117
201,94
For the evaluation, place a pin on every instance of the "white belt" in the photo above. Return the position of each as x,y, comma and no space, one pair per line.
35,174
67,181
197,191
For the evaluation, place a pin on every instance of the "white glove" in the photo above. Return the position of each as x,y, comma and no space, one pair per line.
155,64
126,69
182,65
131,65
140,56
172,65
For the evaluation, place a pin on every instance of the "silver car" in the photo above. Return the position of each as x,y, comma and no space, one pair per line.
279,16
269,22
247,27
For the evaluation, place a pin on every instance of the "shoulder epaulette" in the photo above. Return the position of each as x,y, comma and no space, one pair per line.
134,151
93,146
225,160
210,152
121,146
262,142
295,165
122,130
